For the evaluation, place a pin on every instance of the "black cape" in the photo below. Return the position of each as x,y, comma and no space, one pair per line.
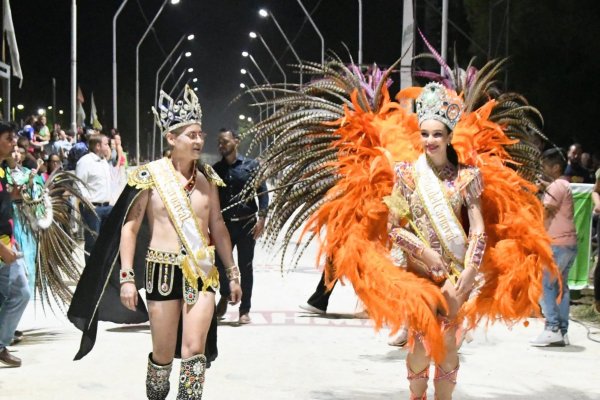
97,296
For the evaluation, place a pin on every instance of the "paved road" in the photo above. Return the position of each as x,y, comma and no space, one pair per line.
286,354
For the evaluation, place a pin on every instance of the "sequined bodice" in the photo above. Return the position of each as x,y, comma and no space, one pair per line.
452,180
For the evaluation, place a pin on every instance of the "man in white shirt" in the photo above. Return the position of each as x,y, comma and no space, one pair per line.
93,169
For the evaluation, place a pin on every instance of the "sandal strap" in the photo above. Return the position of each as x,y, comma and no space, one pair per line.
418,375
441,375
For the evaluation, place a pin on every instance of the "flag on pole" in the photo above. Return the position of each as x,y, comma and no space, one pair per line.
9,28
80,98
80,112
94,115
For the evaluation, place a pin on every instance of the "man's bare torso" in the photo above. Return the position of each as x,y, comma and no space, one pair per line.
163,234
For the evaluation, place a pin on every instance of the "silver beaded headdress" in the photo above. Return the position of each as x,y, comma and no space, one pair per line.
172,115
437,102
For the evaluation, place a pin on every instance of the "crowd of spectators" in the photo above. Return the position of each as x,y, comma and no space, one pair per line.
43,150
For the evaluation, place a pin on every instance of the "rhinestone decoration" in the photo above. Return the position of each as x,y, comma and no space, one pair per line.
438,103
173,114
157,380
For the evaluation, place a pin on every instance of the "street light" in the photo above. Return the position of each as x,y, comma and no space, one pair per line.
41,111
188,53
20,107
49,107
179,79
245,54
195,80
181,91
196,89
253,35
189,38
264,14
316,29
246,72
162,83
360,32
137,79
61,112
242,116
249,119
114,50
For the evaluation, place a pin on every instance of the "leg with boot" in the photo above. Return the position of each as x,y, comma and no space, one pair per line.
196,323
417,367
164,319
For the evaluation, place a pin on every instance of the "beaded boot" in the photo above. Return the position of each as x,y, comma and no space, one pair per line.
157,380
191,377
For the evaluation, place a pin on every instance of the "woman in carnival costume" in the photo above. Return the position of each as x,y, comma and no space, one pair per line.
447,194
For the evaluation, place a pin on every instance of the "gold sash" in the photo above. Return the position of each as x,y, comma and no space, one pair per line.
200,259
445,223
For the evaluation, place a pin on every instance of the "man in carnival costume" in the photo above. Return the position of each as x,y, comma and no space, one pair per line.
159,237
413,208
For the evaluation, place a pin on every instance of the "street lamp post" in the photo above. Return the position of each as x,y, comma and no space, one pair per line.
189,37
137,79
248,55
316,30
257,103
182,89
74,66
244,72
444,49
160,88
264,13
114,66
189,70
360,32
254,35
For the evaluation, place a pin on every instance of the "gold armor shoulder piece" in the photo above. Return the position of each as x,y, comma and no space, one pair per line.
140,178
211,175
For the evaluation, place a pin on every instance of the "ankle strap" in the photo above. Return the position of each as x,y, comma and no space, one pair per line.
424,374
441,375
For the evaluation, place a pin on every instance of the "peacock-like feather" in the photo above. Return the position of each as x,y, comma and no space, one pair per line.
298,161
49,218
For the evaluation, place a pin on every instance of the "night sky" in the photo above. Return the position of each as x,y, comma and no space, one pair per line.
550,52
221,28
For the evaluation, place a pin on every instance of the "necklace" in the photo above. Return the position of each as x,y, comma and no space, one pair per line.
189,185
443,173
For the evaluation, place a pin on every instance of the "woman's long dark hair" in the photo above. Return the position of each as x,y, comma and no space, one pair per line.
451,152
452,155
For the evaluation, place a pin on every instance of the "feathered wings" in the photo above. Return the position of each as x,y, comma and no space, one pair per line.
354,221
333,155
518,248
